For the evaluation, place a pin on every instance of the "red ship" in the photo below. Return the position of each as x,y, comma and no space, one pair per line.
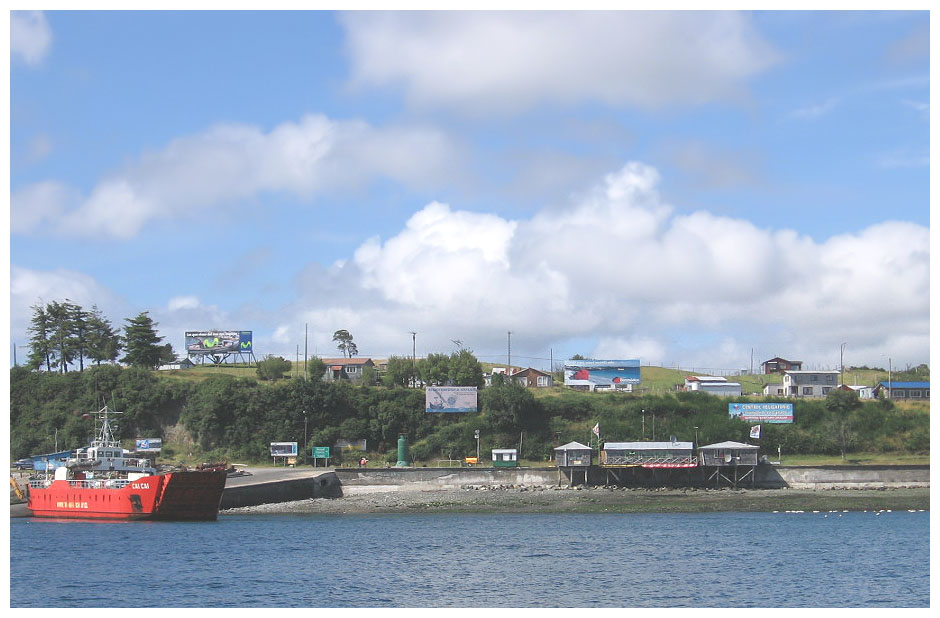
100,482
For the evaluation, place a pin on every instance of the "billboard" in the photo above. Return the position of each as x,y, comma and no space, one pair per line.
148,445
450,399
602,373
218,342
283,449
762,412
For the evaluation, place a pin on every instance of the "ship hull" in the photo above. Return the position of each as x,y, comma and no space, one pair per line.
191,495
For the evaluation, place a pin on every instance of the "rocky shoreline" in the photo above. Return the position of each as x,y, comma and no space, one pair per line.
551,499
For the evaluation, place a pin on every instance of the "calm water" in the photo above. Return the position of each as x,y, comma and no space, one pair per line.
538,560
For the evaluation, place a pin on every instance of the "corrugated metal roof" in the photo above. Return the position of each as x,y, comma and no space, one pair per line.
573,446
729,444
907,384
649,446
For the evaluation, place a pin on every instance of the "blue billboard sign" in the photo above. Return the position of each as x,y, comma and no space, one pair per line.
602,373
762,412
218,342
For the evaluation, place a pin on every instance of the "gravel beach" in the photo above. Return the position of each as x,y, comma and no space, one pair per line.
550,499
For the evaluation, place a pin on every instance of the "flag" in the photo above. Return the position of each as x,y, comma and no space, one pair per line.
755,432
597,430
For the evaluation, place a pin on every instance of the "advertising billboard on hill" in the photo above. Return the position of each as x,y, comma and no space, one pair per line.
450,399
762,412
602,374
218,342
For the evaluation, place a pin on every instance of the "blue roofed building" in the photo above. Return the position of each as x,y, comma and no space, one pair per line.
903,390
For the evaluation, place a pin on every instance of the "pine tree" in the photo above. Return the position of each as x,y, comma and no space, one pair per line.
142,344
40,348
345,344
103,341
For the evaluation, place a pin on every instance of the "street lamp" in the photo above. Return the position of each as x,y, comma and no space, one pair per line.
476,434
305,436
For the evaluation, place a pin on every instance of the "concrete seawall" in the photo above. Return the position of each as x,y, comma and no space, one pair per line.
847,477
766,476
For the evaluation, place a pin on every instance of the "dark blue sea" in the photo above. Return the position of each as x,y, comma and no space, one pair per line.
456,560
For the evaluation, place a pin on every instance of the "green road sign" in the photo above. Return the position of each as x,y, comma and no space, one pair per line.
321,452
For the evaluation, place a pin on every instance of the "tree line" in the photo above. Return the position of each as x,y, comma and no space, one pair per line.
64,334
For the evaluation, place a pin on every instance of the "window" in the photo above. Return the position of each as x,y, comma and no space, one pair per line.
807,390
543,380
915,394
815,378
826,389
830,378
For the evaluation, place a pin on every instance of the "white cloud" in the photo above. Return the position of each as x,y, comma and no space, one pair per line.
621,267
229,163
182,302
30,36
29,287
39,205
509,61
811,112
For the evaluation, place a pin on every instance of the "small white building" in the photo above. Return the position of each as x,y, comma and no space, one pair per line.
713,385
180,363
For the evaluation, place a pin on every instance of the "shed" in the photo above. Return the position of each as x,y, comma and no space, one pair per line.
728,454
573,454
730,461
50,461
505,458
649,454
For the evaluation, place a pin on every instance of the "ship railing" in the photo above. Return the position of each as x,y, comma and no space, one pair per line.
83,483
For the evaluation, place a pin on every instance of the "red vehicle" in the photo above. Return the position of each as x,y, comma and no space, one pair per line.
100,482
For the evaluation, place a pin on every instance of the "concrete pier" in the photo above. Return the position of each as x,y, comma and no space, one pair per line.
271,485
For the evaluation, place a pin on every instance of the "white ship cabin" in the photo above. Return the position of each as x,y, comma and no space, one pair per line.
105,457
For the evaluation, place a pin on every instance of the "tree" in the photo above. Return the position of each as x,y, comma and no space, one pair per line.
369,376
435,369
142,344
78,328
315,368
465,369
345,344
57,335
103,341
842,405
272,367
400,372
40,347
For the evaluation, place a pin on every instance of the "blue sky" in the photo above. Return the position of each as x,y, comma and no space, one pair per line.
678,187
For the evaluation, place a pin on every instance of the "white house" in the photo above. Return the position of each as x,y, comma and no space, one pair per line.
809,383
713,386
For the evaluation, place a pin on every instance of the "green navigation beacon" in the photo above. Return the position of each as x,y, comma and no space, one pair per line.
402,451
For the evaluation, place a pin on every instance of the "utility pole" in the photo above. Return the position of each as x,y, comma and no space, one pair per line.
305,350
889,377
841,365
414,354
509,351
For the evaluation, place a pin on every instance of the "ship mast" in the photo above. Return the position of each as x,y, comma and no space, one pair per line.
104,435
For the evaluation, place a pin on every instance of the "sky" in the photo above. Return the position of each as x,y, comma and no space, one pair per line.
701,190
